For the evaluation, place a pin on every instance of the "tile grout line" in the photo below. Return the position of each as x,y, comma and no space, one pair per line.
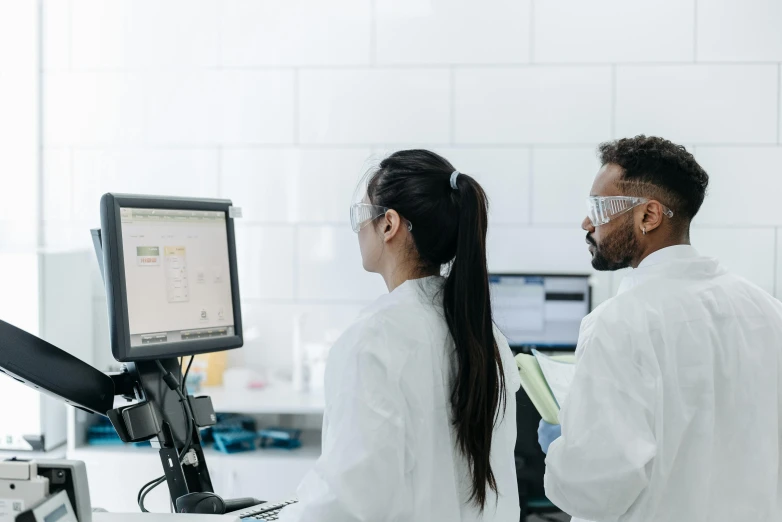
614,94
531,187
779,103
139,147
40,239
296,264
500,225
409,66
532,31
219,41
373,33
220,171
296,108
70,35
695,32
72,174
453,106
776,261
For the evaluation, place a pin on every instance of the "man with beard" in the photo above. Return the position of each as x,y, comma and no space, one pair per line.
675,410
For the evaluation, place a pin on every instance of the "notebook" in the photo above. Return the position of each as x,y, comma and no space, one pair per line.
546,381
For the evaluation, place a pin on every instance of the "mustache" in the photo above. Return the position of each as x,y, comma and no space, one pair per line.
591,240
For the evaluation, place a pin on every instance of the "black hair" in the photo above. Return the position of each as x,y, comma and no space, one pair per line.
671,173
449,227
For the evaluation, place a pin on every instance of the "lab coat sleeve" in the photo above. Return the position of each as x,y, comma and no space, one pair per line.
360,474
601,463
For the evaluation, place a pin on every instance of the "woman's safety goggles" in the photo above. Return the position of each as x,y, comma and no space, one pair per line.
363,213
602,209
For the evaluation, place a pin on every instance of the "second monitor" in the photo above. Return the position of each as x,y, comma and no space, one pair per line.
540,311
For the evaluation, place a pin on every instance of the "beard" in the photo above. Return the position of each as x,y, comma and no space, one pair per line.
616,250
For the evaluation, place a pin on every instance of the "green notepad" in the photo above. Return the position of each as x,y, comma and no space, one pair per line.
537,387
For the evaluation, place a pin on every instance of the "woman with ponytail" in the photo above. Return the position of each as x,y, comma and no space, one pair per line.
420,421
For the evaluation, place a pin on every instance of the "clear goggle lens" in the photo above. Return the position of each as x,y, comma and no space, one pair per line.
601,210
363,213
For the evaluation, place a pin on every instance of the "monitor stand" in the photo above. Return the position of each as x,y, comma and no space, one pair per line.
160,413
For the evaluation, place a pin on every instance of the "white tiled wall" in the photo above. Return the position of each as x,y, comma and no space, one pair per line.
574,31
19,260
452,31
374,105
281,105
18,129
537,105
720,104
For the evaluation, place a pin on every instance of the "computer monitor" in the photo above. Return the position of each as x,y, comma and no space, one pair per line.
170,275
540,311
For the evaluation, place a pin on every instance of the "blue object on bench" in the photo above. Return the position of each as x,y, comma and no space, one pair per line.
280,438
228,423
102,434
235,441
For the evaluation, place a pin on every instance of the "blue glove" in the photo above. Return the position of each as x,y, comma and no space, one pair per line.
548,433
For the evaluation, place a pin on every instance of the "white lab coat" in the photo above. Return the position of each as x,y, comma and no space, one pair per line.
389,449
674,413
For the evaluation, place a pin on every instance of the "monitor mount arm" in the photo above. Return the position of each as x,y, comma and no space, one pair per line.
157,413
156,410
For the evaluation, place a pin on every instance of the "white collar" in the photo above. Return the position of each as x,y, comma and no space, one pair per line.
660,257
671,253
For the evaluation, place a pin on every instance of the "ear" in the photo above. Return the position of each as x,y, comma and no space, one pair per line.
391,223
652,217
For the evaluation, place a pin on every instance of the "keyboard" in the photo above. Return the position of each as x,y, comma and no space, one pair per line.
266,512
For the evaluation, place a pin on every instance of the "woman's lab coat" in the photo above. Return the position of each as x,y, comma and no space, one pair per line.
389,450
675,411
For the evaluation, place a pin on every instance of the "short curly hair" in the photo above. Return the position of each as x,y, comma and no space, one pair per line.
662,169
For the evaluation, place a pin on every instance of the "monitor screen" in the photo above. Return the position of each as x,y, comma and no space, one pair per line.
540,311
177,275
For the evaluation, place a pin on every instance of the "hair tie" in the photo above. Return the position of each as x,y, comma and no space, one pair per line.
453,179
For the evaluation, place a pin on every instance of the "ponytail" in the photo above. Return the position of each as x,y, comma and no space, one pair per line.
479,386
449,212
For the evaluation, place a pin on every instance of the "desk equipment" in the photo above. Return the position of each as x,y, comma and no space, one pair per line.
54,508
162,517
540,311
20,487
70,477
24,483
169,267
264,512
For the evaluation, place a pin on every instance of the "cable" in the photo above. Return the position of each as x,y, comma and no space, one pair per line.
145,486
179,389
187,372
148,489
188,411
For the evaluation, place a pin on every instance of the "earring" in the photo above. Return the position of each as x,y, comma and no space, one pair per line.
644,230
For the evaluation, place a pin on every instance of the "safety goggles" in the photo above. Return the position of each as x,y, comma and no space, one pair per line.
602,209
363,213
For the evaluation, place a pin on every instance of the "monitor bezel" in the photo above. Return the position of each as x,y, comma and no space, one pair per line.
527,347
114,278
